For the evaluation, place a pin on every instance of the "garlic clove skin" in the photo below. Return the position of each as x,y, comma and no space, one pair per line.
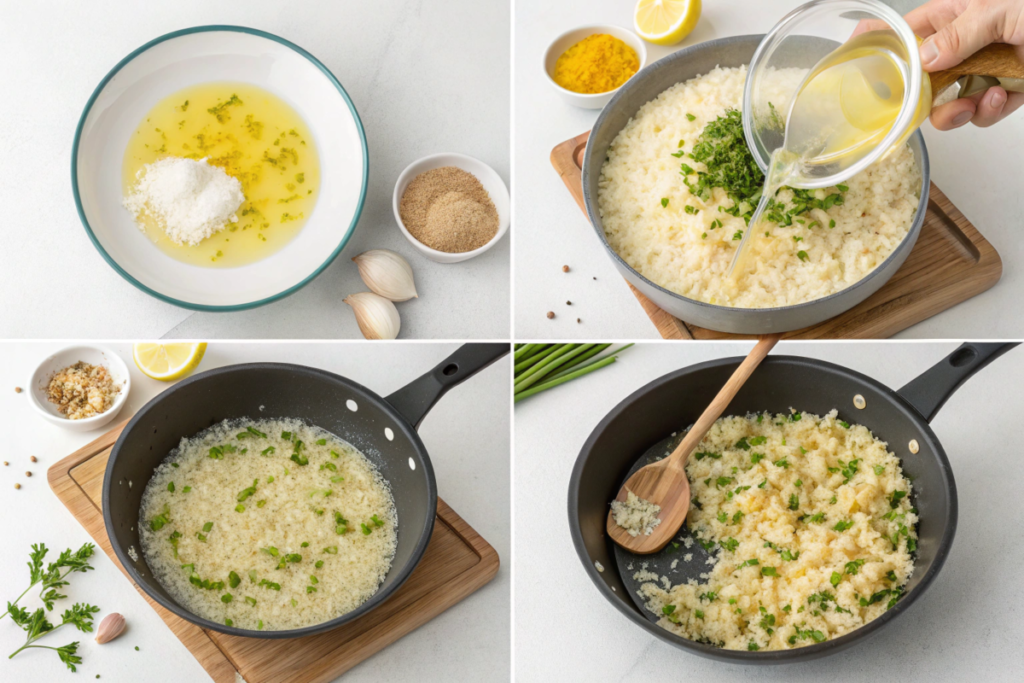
111,627
377,317
387,274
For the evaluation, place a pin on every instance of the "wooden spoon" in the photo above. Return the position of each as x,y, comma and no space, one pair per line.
664,483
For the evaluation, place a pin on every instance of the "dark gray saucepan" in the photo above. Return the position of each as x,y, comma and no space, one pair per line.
644,87
637,429
384,429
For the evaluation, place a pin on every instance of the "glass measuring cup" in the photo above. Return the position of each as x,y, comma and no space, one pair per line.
863,95
801,40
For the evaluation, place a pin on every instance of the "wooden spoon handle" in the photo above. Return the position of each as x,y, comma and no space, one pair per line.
998,59
721,401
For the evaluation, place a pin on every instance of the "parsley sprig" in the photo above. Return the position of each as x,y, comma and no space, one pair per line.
55,575
35,624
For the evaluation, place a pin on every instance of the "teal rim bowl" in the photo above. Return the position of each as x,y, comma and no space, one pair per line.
308,271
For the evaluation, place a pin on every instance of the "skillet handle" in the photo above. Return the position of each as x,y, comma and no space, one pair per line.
930,390
415,399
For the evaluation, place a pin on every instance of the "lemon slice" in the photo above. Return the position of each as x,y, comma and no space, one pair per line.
665,22
167,362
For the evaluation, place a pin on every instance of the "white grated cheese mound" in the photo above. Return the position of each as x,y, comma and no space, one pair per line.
191,200
636,515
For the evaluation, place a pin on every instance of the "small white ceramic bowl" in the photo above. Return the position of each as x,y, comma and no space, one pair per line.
206,54
94,355
487,176
570,38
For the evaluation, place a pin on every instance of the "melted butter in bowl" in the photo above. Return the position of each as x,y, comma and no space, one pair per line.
253,136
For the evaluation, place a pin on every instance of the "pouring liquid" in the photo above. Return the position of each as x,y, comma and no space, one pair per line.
842,110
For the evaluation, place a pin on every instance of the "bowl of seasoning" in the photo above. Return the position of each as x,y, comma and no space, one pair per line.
587,65
80,387
451,207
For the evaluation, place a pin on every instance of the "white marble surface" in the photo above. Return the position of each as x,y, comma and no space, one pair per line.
966,627
467,435
426,76
978,169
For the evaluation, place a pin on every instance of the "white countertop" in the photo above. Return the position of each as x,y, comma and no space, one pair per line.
426,76
966,627
978,169
466,434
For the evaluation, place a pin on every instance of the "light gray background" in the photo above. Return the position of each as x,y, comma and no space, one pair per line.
978,169
466,434
426,76
967,626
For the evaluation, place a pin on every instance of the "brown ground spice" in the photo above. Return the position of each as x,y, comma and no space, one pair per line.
449,210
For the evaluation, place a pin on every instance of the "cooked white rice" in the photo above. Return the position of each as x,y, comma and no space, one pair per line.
684,254
290,514
804,522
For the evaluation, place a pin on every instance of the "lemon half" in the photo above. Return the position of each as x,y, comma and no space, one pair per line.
167,362
665,22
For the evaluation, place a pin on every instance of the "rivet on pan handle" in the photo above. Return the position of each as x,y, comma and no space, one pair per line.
415,399
930,390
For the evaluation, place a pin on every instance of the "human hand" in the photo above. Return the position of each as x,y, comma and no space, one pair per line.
956,29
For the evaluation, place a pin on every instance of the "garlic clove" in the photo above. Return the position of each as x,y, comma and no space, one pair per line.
387,274
377,317
111,627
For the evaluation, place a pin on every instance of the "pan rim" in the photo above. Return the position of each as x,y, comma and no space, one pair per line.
593,213
769,656
425,532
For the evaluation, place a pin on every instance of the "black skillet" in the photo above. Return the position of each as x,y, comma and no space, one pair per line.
638,429
384,429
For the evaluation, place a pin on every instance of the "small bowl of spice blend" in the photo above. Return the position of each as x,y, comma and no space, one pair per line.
80,387
587,65
451,207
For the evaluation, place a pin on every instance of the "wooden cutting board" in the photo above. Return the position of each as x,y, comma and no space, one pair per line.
457,562
950,263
